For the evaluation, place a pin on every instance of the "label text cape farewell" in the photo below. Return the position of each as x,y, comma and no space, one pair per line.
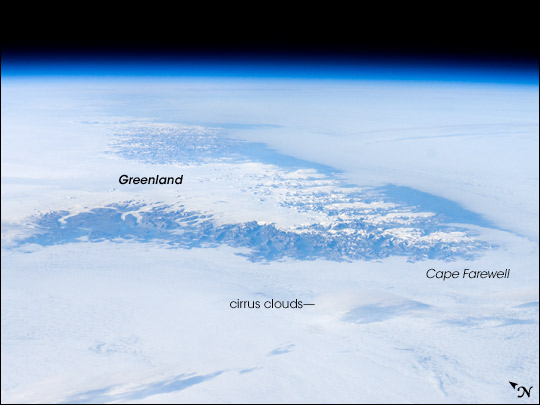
467,273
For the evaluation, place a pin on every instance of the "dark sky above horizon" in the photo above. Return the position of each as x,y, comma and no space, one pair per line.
457,52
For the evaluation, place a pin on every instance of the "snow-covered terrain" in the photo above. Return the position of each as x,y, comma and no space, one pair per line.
340,194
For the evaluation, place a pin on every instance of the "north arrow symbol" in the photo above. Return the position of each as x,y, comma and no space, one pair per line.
513,384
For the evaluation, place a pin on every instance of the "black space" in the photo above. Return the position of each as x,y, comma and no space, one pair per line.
449,34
